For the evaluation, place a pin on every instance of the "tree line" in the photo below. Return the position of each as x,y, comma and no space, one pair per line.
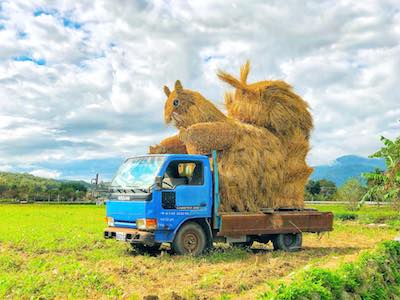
17,187
350,192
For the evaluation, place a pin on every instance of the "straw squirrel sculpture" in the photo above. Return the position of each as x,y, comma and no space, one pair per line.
263,141
249,160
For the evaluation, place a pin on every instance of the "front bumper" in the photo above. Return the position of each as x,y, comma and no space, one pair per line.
130,235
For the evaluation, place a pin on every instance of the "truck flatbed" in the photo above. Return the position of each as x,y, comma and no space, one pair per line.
275,222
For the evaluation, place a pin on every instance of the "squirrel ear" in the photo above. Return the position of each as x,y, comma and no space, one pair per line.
178,86
167,91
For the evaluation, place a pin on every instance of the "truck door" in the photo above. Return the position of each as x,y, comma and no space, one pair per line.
184,188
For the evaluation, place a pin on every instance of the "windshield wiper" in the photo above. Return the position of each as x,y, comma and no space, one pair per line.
131,188
139,189
116,187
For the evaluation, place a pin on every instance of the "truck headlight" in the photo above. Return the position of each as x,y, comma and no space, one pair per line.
110,221
146,224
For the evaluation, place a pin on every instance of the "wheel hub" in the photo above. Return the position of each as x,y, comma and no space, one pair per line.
289,239
190,242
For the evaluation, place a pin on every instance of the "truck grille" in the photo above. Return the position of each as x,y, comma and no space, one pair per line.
125,221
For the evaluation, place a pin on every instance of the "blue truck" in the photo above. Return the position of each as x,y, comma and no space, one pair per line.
174,198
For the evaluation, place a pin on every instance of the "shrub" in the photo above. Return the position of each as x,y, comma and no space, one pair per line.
346,216
385,185
375,275
351,192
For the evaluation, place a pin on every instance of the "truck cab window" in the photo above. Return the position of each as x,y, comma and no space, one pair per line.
183,173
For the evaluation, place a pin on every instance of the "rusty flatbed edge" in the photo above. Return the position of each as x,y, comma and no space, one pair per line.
237,224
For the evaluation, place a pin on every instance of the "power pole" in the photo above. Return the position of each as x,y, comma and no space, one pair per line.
95,182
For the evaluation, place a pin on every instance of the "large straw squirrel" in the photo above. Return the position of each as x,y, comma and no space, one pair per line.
267,120
249,160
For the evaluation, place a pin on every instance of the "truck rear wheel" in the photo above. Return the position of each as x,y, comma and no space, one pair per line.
287,241
190,239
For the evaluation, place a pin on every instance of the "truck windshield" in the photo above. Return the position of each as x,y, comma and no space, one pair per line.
138,172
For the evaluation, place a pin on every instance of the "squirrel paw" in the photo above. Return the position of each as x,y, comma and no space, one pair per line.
157,149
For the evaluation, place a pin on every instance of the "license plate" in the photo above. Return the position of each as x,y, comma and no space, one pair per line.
120,236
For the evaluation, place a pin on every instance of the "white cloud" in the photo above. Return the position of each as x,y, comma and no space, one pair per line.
52,174
6,168
98,91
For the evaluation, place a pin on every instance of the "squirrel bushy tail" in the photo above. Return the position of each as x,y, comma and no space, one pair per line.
270,103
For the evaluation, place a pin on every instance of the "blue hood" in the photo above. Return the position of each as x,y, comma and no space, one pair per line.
126,212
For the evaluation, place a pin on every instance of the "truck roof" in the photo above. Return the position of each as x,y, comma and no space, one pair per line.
182,156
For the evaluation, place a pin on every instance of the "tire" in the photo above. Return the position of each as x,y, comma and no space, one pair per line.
288,242
190,240
141,249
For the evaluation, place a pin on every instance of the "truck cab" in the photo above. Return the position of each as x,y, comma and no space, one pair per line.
174,198
153,196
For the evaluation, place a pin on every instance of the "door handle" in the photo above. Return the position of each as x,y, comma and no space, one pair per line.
203,204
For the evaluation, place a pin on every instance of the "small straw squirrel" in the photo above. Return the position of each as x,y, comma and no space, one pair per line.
273,105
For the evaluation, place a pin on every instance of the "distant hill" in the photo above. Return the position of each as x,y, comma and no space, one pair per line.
27,187
16,179
346,167
82,182
27,178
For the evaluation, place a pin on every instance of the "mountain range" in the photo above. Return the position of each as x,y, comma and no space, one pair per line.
346,167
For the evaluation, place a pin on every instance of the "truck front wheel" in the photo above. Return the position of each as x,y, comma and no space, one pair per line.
190,239
287,241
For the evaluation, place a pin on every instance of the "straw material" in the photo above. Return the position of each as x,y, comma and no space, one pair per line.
250,158
169,145
270,104
274,106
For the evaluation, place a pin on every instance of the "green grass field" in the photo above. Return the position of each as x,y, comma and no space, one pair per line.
366,215
53,251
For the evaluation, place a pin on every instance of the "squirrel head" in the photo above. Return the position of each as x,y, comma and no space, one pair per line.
184,108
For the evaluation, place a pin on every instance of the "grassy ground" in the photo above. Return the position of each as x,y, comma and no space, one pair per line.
58,252
365,215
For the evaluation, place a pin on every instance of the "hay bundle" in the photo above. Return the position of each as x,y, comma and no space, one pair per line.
296,169
274,106
271,104
250,159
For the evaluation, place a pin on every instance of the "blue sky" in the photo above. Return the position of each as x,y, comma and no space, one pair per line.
81,81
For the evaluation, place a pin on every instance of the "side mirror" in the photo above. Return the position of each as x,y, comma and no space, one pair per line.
158,182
